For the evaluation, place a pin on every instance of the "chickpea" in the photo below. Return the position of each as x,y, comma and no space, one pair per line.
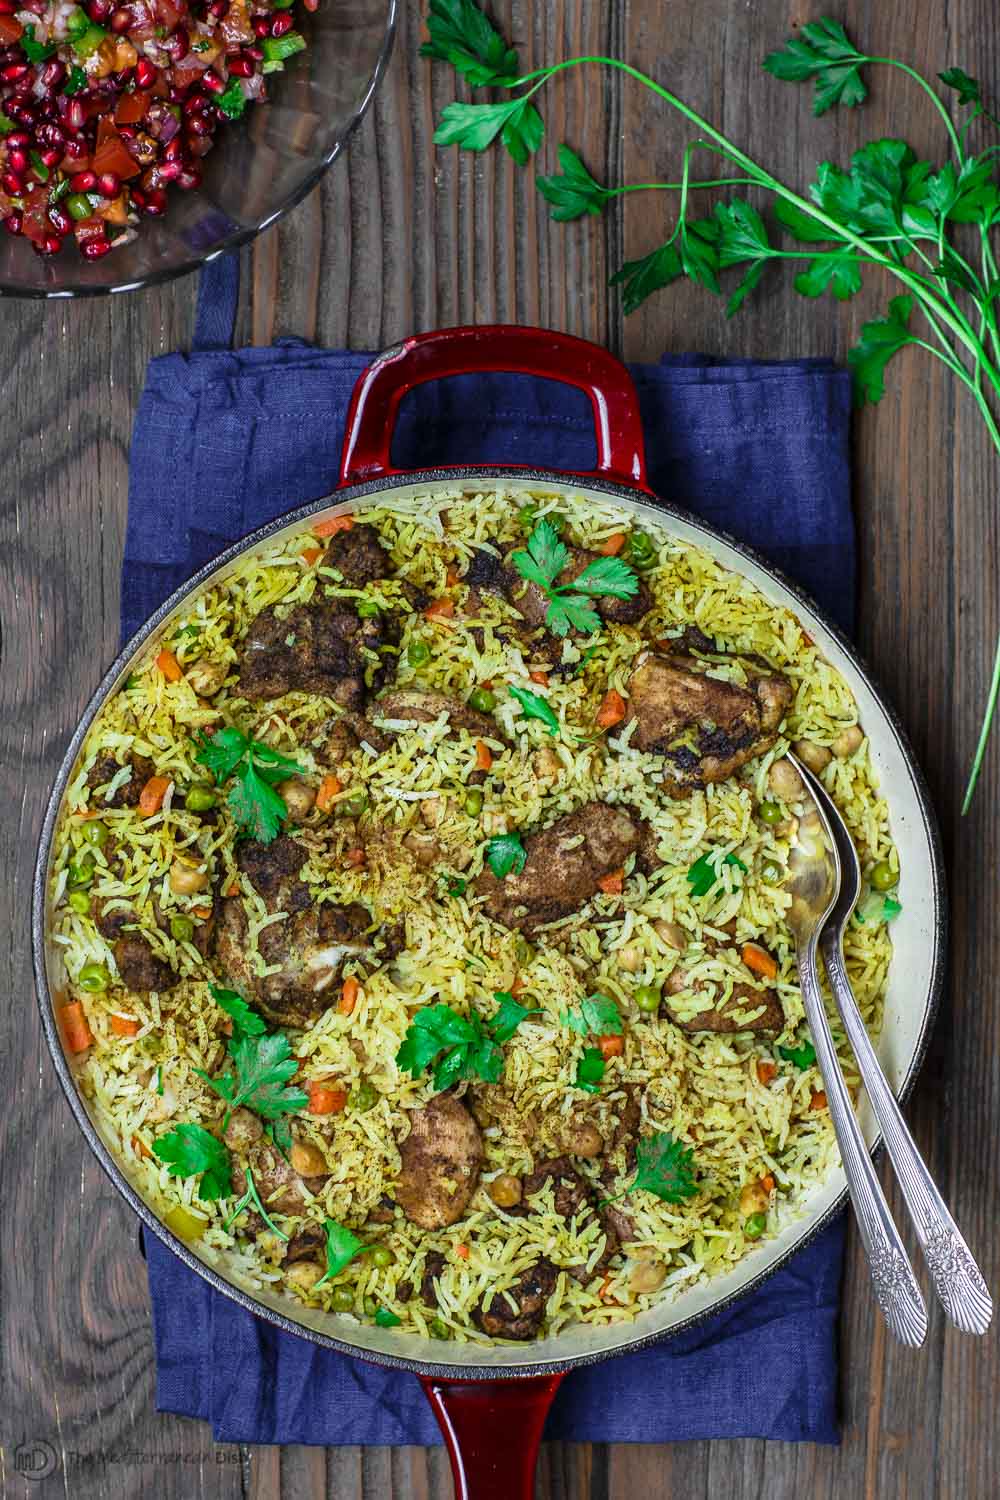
754,1199
671,933
648,1276
816,757
546,765
676,981
185,880
303,1276
785,781
298,796
848,741
629,958
505,1190
585,1139
434,810
206,677
425,850
308,1160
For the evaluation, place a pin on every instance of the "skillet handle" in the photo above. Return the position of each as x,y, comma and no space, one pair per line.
492,1429
469,351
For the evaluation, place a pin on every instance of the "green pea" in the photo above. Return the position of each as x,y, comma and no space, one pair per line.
352,806
370,1306
382,1256
474,803
80,871
182,929
647,998
771,871
342,1299
79,902
754,1227
131,682
363,1096
883,877
770,813
640,551
367,609
438,1329
95,832
482,700
79,206
523,951
200,799
418,653
528,517
93,978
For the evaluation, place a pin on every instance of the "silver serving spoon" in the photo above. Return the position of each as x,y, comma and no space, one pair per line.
813,883
956,1277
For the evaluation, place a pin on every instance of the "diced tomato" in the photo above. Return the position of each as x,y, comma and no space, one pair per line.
111,154
132,107
11,31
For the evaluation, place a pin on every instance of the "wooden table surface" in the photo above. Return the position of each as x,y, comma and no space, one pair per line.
396,239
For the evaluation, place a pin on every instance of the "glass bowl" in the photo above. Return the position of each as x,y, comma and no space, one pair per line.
260,167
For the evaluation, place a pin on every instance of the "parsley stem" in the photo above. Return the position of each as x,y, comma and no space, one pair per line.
984,733
674,187
894,62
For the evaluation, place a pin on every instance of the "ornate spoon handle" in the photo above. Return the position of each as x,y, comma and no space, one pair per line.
957,1279
895,1285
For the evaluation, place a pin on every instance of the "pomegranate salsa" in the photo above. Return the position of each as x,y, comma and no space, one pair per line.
102,106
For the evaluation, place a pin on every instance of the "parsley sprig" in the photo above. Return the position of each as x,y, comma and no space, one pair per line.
704,874
341,1248
571,605
262,1066
888,210
504,853
598,1014
251,1199
460,1046
663,1167
189,1150
255,770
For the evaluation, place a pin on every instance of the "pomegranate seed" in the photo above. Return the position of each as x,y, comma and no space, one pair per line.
192,104
167,171
83,182
145,73
12,184
211,81
262,25
14,71
75,116
109,184
178,44
138,197
202,124
254,52
53,74
99,10
95,249
121,20
218,9
60,219
76,150
174,149
50,245
281,24
190,178
176,95
19,111
239,67
127,132
156,203
311,4
14,222
51,157
17,159
50,135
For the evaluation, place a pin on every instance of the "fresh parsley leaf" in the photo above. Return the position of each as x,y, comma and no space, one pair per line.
639,279
458,1043
802,225
476,126
386,1318
232,101
967,88
699,252
952,269
462,35
35,52
223,752
545,557
569,611
263,1065
822,51
454,885
569,608
891,909
606,577
572,192
256,807
77,81
280,1132
506,853
598,1014
341,1248
590,1070
191,1149
837,273
879,341
742,234
523,132
968,196
40,169
803,1057
245,1021
509,1017
535,707
664,1167
703,874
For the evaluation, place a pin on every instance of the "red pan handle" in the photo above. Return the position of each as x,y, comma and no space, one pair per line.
492,1429
521,351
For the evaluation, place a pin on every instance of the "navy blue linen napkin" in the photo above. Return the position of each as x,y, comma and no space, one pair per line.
224,441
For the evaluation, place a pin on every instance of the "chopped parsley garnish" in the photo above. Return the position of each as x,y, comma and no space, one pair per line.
201,46
509,1017
386,1318
76,82
191,1149
232,101
803,1057
570,605
877,909
6,124
341,1248
262,1066
40,169
278,49
460,1046
704,874
590,1070
35,52
159,1079
664,1167
251,1196
257,769
245,1021
598,1014
535,707
454,885
505,853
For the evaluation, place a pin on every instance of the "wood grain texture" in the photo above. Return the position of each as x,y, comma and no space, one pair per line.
399,238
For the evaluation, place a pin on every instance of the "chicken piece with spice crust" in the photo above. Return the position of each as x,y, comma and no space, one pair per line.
563,867
358,555
673,696
440,1162
324,649
531,1292
424,708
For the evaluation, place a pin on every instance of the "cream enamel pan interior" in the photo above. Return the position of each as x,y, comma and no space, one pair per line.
914,982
